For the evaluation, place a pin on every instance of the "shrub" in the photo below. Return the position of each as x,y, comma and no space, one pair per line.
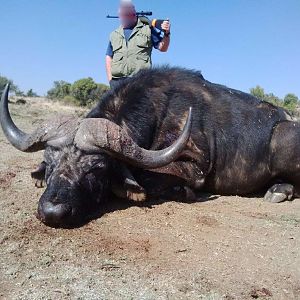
258,92
31,93
4,81
82,90
290,102
60,90
19,93
273,99
98,92
70,100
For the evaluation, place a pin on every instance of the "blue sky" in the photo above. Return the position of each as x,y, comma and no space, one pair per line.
240,43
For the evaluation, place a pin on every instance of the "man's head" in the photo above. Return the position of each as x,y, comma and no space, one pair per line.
127,14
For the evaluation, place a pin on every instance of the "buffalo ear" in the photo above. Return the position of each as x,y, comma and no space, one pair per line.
39,175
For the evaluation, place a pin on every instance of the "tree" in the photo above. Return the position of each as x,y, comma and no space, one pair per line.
31,93
4,81
60,90
290,102
273,99
258,92
82,90
98,92
19,93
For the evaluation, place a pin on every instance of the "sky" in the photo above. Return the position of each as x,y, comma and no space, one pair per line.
239,43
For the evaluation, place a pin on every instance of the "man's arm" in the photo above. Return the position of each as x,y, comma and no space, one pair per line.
165,43
108,61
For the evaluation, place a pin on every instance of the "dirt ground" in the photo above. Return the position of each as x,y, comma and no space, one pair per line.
224,248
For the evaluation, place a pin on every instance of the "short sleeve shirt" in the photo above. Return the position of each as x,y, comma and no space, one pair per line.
156,37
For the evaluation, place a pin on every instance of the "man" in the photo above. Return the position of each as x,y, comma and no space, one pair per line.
130,45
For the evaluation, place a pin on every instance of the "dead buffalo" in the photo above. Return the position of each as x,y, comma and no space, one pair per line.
142,141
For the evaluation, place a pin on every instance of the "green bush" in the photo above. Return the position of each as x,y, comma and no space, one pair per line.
273,99
98,92
289,102
4,81
258,92
31,93
60,90
70,100
82,90
19,93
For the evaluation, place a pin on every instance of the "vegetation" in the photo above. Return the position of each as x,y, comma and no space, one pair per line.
289,102
14,88
83,92
31,93
60,90
20,93
4,81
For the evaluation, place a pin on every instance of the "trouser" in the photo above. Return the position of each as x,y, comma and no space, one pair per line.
116,81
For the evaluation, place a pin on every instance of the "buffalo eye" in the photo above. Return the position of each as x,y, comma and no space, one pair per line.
92,177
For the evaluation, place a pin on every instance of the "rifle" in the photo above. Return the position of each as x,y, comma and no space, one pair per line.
138,14
142,15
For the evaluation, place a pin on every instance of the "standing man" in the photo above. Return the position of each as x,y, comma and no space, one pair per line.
130,45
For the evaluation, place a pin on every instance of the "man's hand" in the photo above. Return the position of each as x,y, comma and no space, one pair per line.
166,26
164,44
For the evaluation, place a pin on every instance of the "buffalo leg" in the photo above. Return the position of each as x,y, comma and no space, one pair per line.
279,193
39,175
178,180
189,173
285,161
126,186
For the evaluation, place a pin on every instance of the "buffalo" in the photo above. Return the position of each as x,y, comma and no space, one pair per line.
166,131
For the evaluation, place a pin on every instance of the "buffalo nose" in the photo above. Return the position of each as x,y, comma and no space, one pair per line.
54,213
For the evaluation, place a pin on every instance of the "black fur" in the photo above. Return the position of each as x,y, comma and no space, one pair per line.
239,145
231,129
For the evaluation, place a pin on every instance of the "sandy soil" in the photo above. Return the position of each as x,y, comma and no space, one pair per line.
224,248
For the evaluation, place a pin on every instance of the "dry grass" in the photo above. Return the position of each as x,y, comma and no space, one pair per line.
227,248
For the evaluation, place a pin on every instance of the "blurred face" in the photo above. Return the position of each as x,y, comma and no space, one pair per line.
76,183
127,15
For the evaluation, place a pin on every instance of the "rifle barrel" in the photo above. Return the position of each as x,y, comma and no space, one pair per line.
144,13
139,14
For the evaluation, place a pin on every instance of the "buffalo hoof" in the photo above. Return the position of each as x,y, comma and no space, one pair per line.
39,183
137,197
133,186
279,193
135,192
38,175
